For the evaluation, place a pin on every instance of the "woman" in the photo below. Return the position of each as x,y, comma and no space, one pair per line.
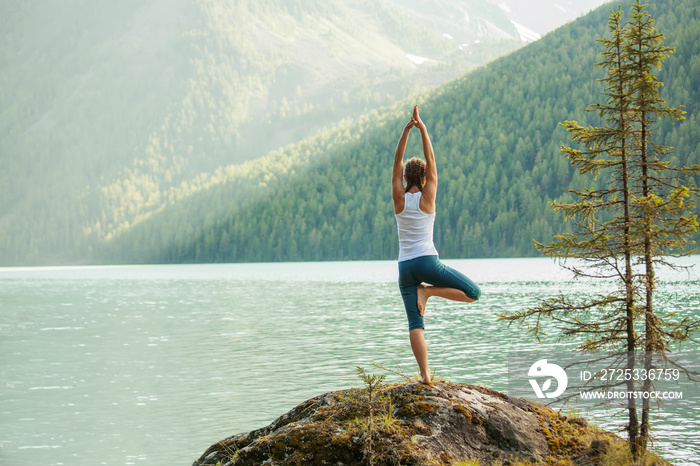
421,273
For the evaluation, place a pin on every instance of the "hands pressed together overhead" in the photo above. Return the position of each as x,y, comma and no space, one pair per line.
415,120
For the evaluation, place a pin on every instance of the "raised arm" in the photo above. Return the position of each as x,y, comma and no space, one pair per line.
397,189
427,202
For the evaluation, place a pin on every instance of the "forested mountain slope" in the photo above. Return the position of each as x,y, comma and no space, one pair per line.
110,111
496,136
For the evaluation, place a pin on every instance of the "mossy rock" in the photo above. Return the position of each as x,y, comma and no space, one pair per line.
440,424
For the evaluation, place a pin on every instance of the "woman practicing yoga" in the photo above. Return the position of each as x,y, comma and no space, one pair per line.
421,273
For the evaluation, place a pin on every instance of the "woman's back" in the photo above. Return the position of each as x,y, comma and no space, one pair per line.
415,229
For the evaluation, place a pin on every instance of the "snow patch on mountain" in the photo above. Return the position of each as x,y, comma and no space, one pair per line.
526,35
416,59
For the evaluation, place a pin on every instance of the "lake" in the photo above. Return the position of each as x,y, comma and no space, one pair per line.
153,364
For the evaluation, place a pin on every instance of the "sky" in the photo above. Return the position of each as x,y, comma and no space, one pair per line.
542,16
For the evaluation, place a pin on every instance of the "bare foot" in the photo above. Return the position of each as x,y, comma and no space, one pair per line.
422,298
426,379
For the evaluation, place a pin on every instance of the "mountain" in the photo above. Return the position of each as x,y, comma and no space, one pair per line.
111,111
496,134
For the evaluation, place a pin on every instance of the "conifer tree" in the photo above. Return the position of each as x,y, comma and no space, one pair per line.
663,219
641,215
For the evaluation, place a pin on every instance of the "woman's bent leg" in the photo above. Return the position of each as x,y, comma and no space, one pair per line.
446,283
427,291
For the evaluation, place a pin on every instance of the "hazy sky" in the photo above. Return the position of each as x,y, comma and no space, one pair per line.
542,16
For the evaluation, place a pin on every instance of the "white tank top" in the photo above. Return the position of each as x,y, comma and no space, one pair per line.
415,229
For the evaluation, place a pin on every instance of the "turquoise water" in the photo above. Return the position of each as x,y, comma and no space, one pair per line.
152,364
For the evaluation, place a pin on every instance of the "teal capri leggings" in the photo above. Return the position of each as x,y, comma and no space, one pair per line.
430,270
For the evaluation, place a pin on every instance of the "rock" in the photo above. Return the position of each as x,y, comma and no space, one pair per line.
411,423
